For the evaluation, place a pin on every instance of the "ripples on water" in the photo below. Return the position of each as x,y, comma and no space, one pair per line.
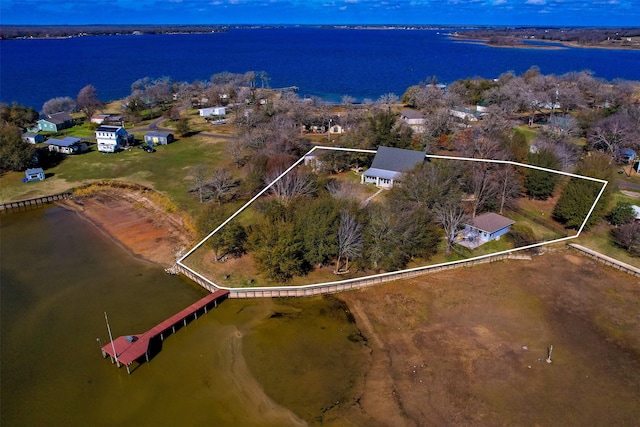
328,63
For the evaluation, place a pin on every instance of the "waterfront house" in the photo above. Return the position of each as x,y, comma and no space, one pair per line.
111,138
99,118
68,145
32,138
390,164
484,228
213,111
35,174
158,138
56,122
415,119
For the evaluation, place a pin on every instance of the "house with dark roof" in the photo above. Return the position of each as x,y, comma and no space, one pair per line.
68,145
390,164
56,122
415,119
484,228
158,138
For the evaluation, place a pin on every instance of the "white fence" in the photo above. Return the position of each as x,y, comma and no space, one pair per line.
334,287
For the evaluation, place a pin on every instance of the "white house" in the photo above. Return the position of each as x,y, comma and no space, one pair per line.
111,138
99,118
415,119
213,111
390,164
68,145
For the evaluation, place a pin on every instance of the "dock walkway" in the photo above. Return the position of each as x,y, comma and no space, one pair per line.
127,349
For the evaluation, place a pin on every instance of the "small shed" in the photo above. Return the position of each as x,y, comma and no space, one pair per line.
484,228
158,138
32,138
35,174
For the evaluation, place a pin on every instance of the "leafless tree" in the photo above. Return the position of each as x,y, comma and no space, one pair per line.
564,149
60,104
222,184
496,123
388,99
428,184
199,174
481,184
236,151
451,215
296,183
612,132
349,240
347,101
509,186
88,101
628,236
438,123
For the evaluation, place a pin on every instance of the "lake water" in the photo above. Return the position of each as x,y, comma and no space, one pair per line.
328,63
59,274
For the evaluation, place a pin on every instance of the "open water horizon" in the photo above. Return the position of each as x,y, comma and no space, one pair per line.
323,62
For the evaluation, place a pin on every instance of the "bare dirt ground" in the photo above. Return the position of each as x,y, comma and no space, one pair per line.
468,346
136,223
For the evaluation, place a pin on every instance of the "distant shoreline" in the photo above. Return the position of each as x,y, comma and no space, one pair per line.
490,36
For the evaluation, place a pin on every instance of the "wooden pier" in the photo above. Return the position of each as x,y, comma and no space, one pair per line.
127,349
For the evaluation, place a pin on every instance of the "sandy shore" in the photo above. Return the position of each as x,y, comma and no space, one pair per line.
136,223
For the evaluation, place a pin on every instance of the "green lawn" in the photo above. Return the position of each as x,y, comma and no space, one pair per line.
166,171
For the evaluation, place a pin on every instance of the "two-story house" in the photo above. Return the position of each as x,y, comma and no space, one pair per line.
111,138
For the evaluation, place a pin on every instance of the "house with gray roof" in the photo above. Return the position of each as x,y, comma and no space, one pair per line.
68,145
390,164
158,138
56,122
484,228
415,119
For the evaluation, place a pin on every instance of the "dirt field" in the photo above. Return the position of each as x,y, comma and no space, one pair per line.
468,346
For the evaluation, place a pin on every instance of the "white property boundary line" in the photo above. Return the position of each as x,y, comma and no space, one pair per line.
383,275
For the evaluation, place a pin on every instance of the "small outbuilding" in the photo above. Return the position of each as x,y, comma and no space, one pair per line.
32,138
35,174
484,228
158,138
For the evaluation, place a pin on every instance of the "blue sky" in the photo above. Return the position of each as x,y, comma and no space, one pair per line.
463,12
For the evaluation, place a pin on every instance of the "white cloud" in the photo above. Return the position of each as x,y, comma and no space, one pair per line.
536,2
